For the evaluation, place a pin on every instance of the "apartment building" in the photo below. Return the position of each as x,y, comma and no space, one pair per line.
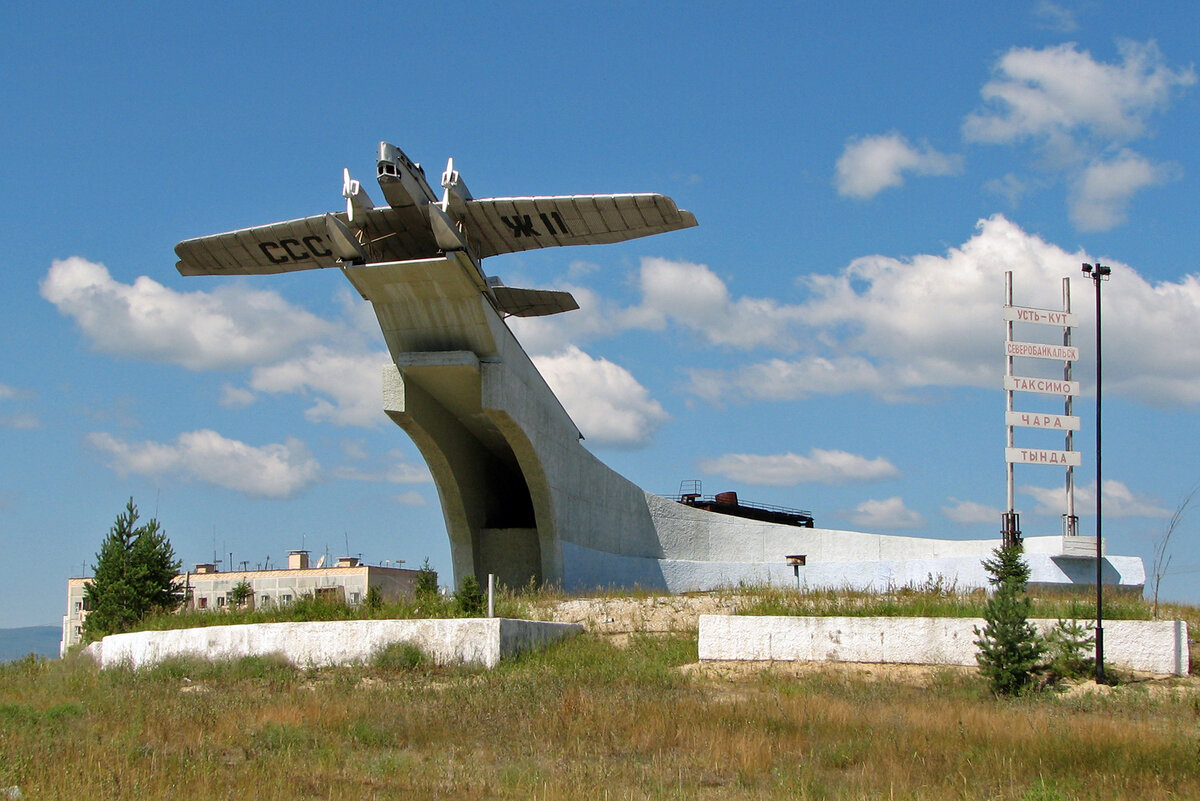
205,587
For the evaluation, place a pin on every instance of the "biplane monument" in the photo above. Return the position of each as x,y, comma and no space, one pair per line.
522,498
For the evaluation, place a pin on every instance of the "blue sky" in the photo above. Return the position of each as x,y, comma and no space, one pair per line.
829,337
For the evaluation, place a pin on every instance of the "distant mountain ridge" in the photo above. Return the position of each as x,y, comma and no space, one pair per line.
41,640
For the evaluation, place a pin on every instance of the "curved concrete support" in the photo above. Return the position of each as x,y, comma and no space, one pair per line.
523,499
513,479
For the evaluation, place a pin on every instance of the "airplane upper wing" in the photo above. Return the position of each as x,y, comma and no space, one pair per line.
509,224
304,244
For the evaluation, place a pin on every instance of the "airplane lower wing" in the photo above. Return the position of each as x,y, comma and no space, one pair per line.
506,225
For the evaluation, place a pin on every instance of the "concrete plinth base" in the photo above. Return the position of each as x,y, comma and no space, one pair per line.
1150,646
479,641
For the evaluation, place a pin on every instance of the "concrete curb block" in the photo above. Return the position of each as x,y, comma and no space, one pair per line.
478,641
1150,646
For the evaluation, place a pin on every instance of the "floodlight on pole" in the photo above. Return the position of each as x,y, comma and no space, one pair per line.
1098,272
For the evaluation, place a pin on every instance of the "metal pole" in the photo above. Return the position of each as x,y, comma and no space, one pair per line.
1069,410
1099,499
1097,273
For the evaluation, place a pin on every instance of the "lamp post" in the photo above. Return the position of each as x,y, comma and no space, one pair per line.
1098,273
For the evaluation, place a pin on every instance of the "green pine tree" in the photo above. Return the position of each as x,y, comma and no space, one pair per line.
470,598
134,574
427,582
1010,649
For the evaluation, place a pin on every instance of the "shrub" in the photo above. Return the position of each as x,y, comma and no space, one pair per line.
374,599
427,582
398,656
469,599
1009,647
1069,646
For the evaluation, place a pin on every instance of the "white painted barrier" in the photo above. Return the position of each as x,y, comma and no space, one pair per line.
479,641
1144,645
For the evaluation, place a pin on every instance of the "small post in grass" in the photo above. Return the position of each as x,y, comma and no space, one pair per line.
797,561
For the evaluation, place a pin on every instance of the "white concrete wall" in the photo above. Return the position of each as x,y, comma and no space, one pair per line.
587,568
1144,645
480,641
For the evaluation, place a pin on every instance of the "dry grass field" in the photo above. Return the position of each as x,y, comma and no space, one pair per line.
609,715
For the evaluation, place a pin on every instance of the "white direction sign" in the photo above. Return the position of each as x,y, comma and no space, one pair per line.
1043,456
1021,314
1038,350
1052,422
1044,386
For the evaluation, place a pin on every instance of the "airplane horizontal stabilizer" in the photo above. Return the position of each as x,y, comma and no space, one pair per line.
533,302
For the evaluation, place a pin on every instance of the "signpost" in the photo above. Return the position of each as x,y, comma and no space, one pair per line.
1065,423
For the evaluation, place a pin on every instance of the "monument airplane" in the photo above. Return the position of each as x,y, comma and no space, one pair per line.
522,498
417,225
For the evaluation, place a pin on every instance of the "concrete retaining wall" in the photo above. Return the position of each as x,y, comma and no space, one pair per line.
1144,645
480,641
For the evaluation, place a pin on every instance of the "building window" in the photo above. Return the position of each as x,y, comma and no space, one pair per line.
354,597
266,599
87,604
285,599
78,606
203,604
220,600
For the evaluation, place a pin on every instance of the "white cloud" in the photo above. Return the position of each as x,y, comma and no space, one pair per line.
228,327
693,296
21,420
1103,190
1078,113
970,512
235,397
790,469
595,318
870,164
1011,187
782,379
277,470
1053,17
1057,93
347,385
1119,501
410,499
402,473
604,399
891,326
887,514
